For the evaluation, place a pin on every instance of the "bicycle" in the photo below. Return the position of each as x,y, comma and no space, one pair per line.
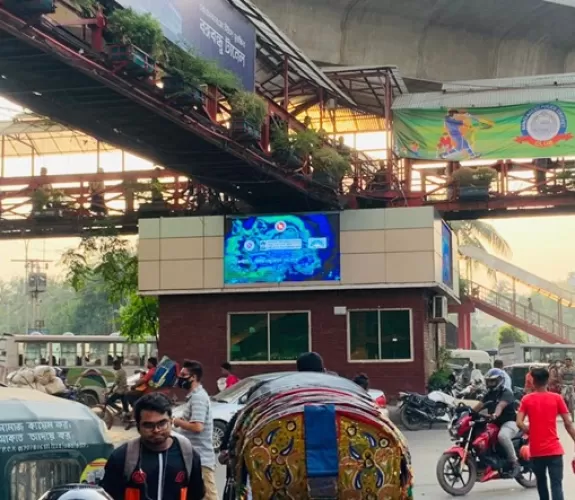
109,413
568,394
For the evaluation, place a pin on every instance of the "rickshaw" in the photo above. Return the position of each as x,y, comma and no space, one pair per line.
46,441
313,435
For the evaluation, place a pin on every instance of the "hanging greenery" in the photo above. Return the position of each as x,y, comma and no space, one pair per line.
141,30
249,107
88,8
327,160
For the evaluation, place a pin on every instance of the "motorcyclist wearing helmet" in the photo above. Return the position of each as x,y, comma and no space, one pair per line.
499,402
76,492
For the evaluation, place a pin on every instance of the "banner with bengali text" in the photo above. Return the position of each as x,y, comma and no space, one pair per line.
457,134
214,29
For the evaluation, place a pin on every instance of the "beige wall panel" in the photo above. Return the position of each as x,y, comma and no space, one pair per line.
408,218
213,247
181,274
149,276
363,268
148,250
149,228
362,241
213,225
410,267
182,248
213,273
409,240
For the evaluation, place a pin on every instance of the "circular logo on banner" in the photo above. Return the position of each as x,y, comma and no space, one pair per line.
543,125
249,245
280,226
94,472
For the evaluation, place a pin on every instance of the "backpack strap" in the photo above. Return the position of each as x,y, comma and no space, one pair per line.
132,457
187,452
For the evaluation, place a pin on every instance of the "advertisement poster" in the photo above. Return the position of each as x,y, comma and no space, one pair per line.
523,131
280,248
213,29
447,255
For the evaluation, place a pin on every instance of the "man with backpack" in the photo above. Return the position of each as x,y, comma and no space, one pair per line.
159,465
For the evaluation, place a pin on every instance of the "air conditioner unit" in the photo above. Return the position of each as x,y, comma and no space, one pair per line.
439,308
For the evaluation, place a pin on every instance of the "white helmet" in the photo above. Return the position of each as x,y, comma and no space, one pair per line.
76,492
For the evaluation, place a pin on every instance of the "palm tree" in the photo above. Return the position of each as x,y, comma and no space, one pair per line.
482,235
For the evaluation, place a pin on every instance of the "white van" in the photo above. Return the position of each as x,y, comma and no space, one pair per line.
461,357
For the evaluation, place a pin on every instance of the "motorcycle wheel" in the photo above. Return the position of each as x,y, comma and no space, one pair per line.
411,421
454,460
527,478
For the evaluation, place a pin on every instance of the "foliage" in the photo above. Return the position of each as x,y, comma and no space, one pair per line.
438,380
112,260
142,30
508,334
306,141
249,107
328,160
86,7
219,77
474,176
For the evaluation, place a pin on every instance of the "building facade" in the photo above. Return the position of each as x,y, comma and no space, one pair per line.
371,312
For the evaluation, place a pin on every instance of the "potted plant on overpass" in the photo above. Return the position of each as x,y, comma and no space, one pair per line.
474,183
248,112
329,167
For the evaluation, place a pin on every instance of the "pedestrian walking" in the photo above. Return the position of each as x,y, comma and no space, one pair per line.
158,465
541,408
196,423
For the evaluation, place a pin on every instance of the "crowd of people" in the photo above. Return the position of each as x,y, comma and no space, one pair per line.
161,464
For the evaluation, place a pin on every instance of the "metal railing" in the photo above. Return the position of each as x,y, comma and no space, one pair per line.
522,312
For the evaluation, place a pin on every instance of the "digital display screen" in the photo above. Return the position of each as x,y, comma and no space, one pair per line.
280,248
447,255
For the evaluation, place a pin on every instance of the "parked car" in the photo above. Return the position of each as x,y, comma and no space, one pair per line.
228,402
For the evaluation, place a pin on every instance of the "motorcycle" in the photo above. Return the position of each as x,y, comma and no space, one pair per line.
418,411
473,392
478,454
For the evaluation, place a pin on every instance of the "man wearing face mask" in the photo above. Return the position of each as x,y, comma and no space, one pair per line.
197,424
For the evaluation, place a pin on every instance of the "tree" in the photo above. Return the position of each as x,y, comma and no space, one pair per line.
482,235
509,334
113,262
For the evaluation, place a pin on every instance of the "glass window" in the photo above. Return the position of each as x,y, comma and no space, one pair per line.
364,342
30,479
395,334
380,334
289,335
249,337
280,336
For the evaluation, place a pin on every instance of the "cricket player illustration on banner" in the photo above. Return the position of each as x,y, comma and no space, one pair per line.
458,140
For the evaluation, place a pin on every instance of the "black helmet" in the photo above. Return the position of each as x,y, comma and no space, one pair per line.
76,492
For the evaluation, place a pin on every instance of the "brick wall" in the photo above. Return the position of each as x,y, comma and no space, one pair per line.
195,327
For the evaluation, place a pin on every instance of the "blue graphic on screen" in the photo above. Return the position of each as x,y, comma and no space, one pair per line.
279,248
447,254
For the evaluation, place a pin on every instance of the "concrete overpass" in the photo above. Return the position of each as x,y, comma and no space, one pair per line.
434,39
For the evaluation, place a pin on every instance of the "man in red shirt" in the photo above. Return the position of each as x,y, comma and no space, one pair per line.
231,379
542,407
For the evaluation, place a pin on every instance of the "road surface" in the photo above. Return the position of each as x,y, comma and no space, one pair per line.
426,446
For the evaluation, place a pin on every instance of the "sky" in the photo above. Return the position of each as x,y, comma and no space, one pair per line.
542,245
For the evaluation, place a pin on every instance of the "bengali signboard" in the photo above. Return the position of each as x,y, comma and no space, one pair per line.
522,131
212,28
19,437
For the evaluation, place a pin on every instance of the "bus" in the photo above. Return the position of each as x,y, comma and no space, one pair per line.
73,351
535,353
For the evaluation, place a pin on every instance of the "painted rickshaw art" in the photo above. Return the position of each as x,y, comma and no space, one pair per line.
311,436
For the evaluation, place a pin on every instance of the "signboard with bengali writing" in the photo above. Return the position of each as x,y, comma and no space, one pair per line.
212,28
20,437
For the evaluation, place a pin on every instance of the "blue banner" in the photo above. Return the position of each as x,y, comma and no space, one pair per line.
212,28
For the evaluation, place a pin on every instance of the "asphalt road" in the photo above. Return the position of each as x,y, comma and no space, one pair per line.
426,447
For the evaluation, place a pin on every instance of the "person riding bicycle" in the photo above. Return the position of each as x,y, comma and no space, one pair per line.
499,402
142,386
120,388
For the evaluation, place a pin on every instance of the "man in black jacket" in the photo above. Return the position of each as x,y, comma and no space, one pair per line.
158,465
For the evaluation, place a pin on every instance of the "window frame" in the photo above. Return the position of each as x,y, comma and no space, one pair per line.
268,314
381,360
